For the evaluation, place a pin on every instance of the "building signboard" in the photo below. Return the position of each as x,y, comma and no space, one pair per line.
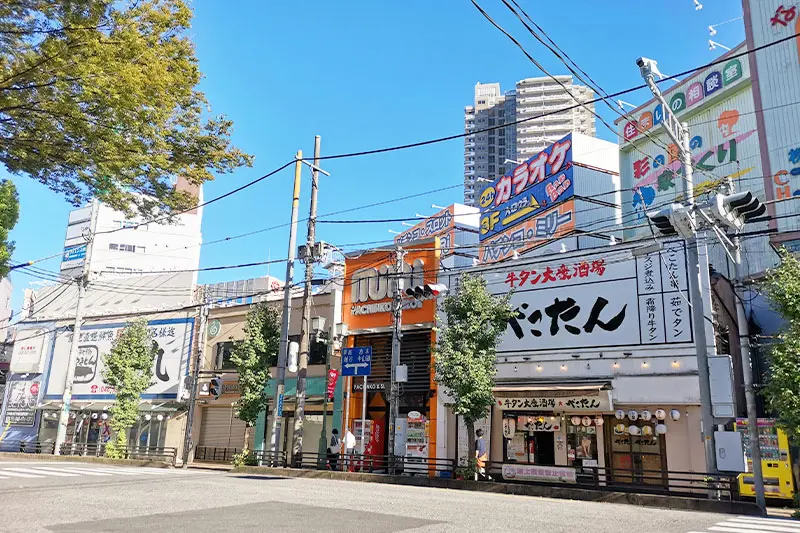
532,187
172,337
369,285
596,301
777,92
74,256
550,224
559,401
23,397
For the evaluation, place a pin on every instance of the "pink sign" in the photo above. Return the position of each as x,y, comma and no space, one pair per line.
333,375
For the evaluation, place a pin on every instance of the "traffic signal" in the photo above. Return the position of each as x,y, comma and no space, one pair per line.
735,210
215,387
675,219
423,292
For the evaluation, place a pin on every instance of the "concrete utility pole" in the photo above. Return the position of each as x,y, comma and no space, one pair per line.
747,369
283,354
305,324
679,133
198,363
83,282
397,322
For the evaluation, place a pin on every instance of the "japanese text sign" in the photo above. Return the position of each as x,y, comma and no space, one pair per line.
357,361
333,376
532,187
438,224
172,340
555,401
596,301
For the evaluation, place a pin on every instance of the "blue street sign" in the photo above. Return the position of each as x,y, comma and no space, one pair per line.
72,253
279,410
357,361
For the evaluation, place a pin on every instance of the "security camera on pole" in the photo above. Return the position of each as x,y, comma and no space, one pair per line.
731,210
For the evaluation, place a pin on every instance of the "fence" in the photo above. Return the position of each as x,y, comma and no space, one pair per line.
155,453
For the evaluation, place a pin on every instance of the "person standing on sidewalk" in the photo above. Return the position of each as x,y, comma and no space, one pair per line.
481,456
334,450
349,448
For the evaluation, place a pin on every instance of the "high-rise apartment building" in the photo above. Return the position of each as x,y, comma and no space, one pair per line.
490,154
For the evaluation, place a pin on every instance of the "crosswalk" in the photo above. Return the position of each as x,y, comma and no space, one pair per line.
749,524
70,470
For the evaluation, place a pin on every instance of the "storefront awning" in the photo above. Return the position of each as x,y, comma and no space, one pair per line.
558,398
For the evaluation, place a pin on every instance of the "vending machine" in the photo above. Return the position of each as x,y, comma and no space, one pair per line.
776,464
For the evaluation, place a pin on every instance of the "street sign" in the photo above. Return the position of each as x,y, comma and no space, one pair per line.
357,361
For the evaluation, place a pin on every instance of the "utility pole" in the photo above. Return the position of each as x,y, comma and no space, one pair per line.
747,369
397,322
679,133
283,354
198,363
305,324
83,282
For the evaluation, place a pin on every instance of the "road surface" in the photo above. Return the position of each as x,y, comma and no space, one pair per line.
76,497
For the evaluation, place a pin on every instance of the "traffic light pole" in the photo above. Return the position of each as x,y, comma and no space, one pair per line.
201,347
679,133
397,322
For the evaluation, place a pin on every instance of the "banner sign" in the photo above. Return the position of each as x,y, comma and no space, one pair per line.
532,187
522,472
23,396
556,401
333,376
171,337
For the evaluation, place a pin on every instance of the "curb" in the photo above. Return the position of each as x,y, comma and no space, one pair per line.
33,457
569,493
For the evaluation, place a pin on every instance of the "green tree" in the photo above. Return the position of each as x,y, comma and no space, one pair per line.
252,357
98,98
466,346
129,369
9,214
782,390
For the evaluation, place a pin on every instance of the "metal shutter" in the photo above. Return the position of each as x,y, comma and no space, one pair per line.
220,428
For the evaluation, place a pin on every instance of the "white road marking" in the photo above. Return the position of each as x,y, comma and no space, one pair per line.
50,471
13,472
86,471
751,524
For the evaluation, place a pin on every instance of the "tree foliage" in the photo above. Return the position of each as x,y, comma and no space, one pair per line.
466,346
782,390
129,369
252,357
98,99
9,214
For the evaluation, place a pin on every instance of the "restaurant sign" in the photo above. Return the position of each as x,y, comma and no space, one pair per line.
555,400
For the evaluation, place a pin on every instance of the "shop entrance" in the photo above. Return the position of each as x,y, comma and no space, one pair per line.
541,448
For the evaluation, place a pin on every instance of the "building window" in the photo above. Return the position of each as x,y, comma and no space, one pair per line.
222,358
113,246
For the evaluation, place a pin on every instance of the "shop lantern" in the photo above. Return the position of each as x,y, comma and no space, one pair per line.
646,415
94,416
619,414
661,414
104,416
586,421
647,431
675,415
598,421
160,418
634,430
509,427
620,429
633,415
576,420
661,429
148,416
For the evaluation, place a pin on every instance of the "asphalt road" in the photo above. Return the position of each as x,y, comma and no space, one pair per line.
87,498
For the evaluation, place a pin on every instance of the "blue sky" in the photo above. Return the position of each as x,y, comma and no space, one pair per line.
367,74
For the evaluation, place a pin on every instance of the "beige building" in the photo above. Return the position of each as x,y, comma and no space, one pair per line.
218,432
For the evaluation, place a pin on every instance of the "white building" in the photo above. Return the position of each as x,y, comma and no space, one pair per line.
123,247
491,154
6,290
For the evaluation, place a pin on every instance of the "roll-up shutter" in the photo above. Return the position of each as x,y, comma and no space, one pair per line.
220,428
415,351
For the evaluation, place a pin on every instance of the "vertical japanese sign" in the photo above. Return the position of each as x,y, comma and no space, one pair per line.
333,376
532,187
596,301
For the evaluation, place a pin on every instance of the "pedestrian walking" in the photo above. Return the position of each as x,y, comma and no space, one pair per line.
334,449
349,448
